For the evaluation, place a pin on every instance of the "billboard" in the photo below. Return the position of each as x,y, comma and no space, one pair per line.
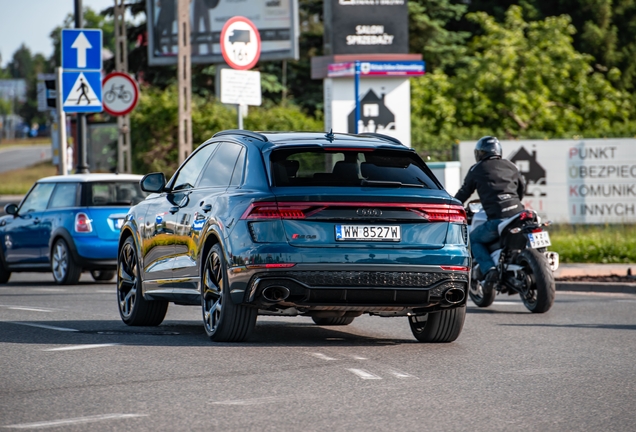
366,27
276,20
587,181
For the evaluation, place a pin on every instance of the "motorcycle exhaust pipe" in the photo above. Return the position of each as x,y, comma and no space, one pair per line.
275,293
454,295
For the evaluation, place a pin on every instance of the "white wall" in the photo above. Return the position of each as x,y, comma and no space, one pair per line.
586,181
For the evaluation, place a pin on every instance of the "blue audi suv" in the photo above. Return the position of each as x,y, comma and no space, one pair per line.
329,226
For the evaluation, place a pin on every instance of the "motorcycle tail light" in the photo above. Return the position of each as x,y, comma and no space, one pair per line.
526,215
83,223
537,230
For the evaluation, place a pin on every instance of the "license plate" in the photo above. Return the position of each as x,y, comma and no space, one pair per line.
368,232
539,240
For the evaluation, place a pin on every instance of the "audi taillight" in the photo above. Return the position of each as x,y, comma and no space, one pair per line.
83,223
439,212
272,210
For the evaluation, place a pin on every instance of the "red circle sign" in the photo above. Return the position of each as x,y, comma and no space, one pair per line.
119,93
240,43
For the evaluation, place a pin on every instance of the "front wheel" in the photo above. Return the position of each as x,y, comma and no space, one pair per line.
480,295
436,327
134,309
539,289
224,321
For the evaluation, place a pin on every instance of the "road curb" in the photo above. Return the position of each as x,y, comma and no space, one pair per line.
603,287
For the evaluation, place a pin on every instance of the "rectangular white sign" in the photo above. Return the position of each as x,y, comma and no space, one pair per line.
240,87
587,181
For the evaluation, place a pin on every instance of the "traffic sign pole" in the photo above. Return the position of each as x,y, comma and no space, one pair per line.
81,145
124,163
61,125
184,71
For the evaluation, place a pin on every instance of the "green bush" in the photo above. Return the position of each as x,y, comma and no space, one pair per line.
594,243
155,129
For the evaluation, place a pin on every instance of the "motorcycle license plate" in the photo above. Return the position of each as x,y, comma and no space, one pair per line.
368,233
539,239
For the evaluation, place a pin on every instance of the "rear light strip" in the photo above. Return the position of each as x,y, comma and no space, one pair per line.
455,268
302,210
268,266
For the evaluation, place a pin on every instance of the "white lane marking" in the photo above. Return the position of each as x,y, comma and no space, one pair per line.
71,421
49,289
107,291
507,303
81,347
322,356
364,374
43,326
401,375
355,357
24,308
245,402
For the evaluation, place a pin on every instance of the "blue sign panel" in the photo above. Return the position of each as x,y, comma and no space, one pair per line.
81,49
82,91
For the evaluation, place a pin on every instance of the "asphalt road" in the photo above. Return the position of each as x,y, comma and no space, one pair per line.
22,157
68,363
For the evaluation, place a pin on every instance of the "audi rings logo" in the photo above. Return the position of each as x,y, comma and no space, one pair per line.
369,212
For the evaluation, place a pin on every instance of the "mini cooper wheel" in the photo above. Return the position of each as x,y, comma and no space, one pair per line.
102,275
436,327
4,273
65,270
224,321
134,309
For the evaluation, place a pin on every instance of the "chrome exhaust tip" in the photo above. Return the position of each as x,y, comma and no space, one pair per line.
454,295
275,293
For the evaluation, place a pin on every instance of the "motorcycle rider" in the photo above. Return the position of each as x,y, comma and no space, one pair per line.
500,187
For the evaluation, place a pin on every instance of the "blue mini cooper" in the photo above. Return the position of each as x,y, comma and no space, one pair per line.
330,226
68,224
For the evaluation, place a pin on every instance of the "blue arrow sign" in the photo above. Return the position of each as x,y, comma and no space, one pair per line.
81,49
82,91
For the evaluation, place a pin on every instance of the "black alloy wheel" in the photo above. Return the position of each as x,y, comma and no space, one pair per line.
134,309
224,321
4,273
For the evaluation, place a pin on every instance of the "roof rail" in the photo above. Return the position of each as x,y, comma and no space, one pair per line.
246,133
382,137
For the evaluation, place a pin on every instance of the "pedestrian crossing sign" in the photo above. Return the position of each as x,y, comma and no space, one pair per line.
82,91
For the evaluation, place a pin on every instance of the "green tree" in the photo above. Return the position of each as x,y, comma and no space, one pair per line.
519,79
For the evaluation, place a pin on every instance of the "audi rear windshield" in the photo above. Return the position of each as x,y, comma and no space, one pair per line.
372,168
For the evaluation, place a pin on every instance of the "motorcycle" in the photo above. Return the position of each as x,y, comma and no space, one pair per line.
524,265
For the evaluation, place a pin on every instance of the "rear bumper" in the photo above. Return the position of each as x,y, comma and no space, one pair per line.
92,253
363,288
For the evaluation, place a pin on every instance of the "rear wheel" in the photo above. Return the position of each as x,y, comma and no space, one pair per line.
103,275
65,270
333,321
134,309
4,273
539,289
436,327
224,321
480,295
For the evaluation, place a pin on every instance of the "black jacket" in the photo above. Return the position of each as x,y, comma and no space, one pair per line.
499,184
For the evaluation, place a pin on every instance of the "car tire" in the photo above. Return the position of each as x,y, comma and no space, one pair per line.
134,309
4,273
223,320
103,275
65,270
333,321
438,327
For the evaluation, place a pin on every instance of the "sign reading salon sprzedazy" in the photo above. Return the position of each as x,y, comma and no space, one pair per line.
366,26
589,181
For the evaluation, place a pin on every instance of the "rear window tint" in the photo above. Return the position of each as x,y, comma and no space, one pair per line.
311,167
118,193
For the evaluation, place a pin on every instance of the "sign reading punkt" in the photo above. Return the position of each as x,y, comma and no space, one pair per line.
82,65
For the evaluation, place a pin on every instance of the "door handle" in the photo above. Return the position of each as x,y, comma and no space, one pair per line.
174,209
206,208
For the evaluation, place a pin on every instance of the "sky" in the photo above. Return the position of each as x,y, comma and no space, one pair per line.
31,21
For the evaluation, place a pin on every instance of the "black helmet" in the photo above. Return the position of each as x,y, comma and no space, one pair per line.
486,147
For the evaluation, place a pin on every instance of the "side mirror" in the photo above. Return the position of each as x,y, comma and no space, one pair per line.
11,209
153,182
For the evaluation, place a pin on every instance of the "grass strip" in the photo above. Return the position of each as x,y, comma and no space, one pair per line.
609,244
19,181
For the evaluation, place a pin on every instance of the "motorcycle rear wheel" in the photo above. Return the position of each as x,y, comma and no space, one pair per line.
481,296
540,291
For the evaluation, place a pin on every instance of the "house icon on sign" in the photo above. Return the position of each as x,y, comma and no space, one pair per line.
374,115
533,172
